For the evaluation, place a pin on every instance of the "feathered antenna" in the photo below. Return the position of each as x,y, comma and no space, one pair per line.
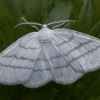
56,22
29,23
61,23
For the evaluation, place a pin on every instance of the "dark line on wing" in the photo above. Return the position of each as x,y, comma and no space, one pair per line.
40,59
15,67
27,48
81,44
47,60
65,41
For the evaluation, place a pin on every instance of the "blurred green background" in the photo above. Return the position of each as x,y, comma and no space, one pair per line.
86,12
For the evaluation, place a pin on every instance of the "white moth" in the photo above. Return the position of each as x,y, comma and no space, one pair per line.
60,55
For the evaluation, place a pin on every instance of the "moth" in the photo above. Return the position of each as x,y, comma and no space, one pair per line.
60,55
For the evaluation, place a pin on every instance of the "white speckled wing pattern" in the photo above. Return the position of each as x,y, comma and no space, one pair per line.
63,56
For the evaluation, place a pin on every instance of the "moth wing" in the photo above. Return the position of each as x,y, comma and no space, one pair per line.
64,59
51,65
69,32
81,49
16,64
61,70
41,73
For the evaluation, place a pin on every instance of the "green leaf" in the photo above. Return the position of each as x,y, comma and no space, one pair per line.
1,42
26,4
98,98
4,40
77,7
95,31
87,87
56,1
61,11
97,11
64,92
13,7
86,17
21,30
15,92
35,10
46,9
25,13
48,4
7,27
3,93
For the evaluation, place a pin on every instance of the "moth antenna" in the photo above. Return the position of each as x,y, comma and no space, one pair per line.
62,22
31,25
58,25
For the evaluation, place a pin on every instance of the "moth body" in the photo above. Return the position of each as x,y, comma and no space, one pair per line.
44,35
